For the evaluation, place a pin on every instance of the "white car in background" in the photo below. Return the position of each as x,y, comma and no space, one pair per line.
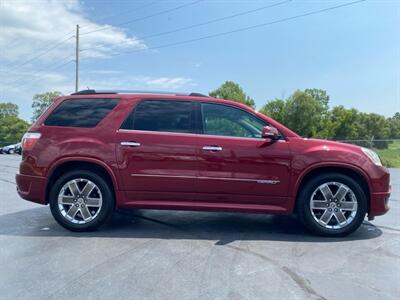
10,149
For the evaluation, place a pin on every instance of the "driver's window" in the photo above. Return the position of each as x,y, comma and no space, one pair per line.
224,120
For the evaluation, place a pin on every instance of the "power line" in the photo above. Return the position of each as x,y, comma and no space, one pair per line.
65,40
13,43
61,42
219,34
146,17
121,13
57,67
199,24
69,58
241,29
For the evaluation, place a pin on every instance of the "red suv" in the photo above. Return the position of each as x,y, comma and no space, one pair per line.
93,152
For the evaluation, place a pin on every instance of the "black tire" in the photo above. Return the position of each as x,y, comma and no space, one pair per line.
304,211
106,209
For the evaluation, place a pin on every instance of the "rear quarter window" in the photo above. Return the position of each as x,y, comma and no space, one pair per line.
162,115
80,112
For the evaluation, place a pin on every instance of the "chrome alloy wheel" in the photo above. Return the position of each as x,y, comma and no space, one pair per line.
80,201
333,205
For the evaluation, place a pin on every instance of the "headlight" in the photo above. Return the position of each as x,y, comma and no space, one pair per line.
372,156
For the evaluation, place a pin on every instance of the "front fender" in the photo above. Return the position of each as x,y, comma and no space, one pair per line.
327,164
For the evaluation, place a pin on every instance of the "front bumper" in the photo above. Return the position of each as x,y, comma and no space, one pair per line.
379,204
379,191
31,188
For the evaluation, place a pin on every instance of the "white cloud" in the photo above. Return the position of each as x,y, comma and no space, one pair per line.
140,83
168,83
27,27
104,72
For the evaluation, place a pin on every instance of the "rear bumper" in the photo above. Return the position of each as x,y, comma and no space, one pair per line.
31,188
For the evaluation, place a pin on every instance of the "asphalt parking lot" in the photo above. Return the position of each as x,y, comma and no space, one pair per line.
188,255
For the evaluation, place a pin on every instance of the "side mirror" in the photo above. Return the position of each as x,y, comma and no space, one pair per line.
269,132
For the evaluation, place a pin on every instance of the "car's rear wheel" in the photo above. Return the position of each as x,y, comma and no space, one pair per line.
332,204
81,200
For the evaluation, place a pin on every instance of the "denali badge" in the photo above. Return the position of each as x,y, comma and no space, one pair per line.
268,181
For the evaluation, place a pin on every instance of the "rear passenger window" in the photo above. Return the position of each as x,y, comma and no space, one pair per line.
80,112
162,115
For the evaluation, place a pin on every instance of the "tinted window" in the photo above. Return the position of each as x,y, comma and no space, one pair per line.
229,121
80,112
162,115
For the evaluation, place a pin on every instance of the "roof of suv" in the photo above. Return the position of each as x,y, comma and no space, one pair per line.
97,92
91,93
128,94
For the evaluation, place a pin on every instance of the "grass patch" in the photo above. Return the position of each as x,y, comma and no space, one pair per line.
391,156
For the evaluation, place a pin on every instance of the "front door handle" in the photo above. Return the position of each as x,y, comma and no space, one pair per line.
130,144
212,148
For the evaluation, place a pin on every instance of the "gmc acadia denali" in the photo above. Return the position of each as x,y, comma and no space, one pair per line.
96,151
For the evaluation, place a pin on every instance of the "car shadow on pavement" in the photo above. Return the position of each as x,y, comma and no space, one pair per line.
158,224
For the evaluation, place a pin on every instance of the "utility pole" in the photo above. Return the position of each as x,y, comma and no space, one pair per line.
77,60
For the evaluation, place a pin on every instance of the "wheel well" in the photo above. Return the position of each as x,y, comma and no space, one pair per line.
341,170
78,165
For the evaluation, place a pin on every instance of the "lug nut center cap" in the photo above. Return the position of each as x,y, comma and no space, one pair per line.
333,204
80,200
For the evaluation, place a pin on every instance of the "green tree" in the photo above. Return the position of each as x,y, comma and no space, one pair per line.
12,129
307,112
8,109
275,109
344,123
41,102
394,125
304,114
374,126
232,91
320,95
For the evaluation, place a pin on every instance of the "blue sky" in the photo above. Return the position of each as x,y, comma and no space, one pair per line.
352,52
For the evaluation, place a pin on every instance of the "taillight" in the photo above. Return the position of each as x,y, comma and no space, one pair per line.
29,140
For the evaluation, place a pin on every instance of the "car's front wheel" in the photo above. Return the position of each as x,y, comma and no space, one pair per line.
332,204
81,200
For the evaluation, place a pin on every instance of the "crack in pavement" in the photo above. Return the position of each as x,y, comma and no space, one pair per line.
7,181
381,226
388,227
300,281
8,166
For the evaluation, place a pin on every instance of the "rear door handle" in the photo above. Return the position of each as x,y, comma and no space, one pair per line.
212,148
130,144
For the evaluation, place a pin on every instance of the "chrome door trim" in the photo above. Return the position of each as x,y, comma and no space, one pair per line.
260,181
164,176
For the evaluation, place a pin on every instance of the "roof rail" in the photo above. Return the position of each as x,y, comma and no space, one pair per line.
92,92
197,95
